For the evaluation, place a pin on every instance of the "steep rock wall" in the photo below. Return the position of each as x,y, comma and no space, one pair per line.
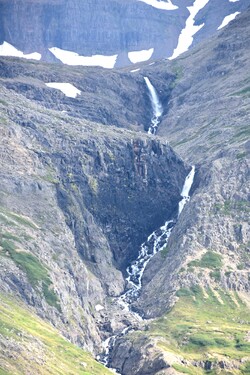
65,183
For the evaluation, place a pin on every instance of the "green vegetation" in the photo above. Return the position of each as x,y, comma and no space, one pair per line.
36,273
246,368
183,369
241,155
3,102
178,73
11,218
210,260
9,236
245,91
211,326
36,347
93,183
229,207
164,252
242,134
215,275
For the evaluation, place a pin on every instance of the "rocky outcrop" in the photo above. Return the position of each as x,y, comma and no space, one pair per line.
143,358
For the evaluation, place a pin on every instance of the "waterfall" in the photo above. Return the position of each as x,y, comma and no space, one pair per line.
186,189
155,242
156,105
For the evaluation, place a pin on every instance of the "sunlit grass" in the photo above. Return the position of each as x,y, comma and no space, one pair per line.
39,340
201,327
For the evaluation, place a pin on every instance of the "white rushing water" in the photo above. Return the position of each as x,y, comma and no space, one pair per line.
156,105
186,189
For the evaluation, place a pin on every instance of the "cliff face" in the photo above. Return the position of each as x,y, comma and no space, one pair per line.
77,200
110,98
104,27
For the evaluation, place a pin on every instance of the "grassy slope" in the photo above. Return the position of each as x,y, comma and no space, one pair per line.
36,347
206,325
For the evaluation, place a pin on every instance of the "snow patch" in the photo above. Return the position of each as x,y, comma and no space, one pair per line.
67,88
139,56
7,49
164,5
98,308
186,37
233,1
228,19
135,70
73,58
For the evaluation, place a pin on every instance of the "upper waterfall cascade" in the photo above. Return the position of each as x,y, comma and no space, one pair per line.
156,105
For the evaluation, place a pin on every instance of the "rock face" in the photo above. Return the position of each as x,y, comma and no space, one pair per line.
104,27
111,98
77,200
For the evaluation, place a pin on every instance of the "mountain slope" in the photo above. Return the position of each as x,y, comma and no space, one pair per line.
78,198
28,344
205,266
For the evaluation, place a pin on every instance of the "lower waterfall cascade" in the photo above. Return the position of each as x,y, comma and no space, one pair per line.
155,242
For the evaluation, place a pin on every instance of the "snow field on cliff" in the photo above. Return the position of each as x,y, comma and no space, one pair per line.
6,49
73,58
67,88
140,56
160,4
186,36
228,19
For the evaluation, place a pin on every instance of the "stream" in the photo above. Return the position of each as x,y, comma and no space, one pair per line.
155,242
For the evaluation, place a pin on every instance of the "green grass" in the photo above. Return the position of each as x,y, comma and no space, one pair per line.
3,102
245,91
241,155
201,327
9,236
215,275
246,368
12,218
210,260
183,369
33,340
3,372
164,252
230,207
36,273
